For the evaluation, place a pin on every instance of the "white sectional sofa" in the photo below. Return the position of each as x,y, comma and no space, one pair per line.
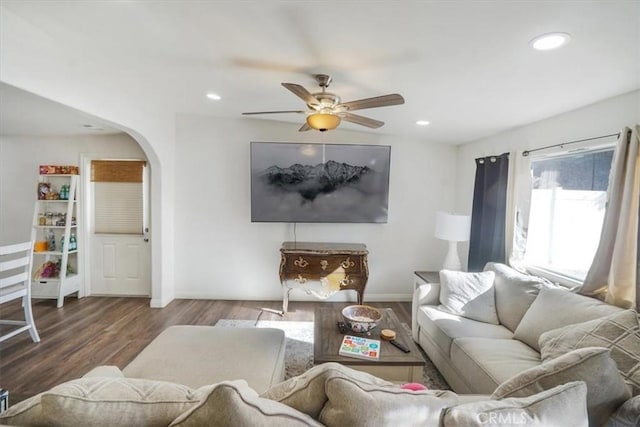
192,376
475,356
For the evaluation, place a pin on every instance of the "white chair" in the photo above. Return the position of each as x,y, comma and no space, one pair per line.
15,282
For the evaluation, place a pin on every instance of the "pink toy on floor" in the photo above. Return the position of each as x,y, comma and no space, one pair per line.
413,386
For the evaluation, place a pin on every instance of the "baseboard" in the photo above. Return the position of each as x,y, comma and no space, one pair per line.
298,296
159,303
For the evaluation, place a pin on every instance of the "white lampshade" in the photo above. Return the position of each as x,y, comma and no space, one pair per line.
454,228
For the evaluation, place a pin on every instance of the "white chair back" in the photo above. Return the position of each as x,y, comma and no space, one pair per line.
15,283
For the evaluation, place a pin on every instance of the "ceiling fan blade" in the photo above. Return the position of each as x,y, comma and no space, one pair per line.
361,120
273,112
305,127
377,101
302,93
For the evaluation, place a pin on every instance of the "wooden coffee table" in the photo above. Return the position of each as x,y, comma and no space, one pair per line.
393,364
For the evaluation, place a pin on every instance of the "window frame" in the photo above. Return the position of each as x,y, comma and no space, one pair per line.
561,151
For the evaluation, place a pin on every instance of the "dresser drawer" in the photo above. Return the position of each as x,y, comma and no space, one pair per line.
332,282
323,265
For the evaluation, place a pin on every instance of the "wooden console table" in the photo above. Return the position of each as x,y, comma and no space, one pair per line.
322,269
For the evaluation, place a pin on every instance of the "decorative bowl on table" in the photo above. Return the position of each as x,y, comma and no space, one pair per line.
361,318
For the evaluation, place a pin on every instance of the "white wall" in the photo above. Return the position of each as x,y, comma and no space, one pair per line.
33,60
603,118
221,254
19,161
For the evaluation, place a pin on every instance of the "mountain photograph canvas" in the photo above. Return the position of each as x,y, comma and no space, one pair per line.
292,182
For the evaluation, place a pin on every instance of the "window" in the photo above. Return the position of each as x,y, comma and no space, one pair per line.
118,196
568,198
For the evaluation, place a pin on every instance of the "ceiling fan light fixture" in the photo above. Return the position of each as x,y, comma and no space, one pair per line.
323,121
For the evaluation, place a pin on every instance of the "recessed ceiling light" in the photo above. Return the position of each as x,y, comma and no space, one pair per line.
213,96
550,41
423,122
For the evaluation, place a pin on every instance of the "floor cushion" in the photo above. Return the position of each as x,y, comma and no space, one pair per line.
203,355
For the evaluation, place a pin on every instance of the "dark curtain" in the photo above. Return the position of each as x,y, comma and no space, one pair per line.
487,241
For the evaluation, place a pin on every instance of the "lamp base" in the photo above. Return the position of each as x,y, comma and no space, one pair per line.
452,260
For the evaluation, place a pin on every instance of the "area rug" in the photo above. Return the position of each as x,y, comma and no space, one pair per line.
299,348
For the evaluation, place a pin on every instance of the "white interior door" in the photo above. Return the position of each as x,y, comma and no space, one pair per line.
119,249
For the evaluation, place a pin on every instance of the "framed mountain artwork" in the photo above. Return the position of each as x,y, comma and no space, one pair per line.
292,182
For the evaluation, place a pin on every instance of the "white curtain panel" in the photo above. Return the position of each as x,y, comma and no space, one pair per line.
518,205
613,274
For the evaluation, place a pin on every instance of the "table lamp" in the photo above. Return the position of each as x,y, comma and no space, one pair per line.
454,229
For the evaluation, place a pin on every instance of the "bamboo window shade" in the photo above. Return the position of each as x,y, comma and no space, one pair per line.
118,206
117,170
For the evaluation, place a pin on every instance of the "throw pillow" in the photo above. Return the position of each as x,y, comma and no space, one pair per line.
555,308
628,415
515,292
606,389
307,393
619,332
352,403
234,403
469,295
563,405
103,401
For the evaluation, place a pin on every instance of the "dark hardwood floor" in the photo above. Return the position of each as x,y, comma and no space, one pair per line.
94,331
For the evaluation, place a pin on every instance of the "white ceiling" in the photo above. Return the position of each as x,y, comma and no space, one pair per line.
463,65
23,113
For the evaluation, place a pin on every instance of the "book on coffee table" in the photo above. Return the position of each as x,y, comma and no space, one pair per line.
361,348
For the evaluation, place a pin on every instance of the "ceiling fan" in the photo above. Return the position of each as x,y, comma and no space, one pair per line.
326,111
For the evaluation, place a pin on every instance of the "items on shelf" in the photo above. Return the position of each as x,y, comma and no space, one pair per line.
64,192
59,170
73,244
51,241
41,246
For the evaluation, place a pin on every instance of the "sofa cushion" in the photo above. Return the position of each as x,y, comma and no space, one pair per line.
515,292
627,415
353,403
306,392
104,401
563,405
25,413
201,355
488,362
606,389
469,294
443,327
234,403
555,308
104,371
619,332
